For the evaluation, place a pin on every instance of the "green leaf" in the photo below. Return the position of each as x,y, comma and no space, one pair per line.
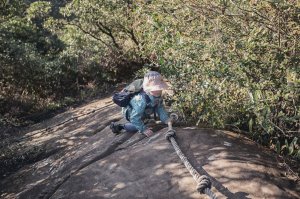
286,143
298,154
294,141
291,149
278,147
250,125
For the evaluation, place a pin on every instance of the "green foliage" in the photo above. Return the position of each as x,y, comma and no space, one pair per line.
39,10
46,57
103,34
233,64
32,70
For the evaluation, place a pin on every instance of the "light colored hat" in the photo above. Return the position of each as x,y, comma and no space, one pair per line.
153,82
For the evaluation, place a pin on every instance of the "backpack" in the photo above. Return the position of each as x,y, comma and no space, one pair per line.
123,97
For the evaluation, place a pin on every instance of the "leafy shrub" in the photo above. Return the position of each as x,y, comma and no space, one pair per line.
232,64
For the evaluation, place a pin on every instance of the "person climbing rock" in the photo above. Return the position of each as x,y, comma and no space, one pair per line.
142,105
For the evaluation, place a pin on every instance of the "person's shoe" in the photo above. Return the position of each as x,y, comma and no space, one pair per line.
114,128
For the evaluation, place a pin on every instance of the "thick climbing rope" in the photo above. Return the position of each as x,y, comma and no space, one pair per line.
203,182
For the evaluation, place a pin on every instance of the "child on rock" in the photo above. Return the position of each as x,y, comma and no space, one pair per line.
147,102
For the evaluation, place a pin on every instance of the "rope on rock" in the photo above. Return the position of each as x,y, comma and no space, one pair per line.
203,182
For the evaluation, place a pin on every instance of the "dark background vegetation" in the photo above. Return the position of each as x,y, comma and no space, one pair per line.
233,64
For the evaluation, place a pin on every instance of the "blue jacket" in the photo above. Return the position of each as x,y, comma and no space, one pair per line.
139,110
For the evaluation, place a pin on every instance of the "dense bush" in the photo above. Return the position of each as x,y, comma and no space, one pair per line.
47,57
233,63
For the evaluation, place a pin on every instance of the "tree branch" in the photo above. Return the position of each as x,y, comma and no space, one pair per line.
108,32
88,33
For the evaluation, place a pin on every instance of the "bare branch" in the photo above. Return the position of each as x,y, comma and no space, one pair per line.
88,33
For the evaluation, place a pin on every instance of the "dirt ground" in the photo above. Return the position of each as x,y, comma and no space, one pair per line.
88,161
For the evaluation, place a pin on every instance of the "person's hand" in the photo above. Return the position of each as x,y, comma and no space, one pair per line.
148,132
